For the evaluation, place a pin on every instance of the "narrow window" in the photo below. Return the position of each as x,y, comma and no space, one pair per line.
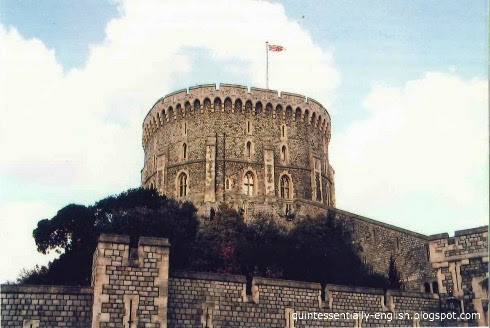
227,184
283,153
435,287
427,287
184,128
283,131
182,185
289,315
397,245
184,151
30,323
248,126
248,150
152,186
249,184
285,187
318,187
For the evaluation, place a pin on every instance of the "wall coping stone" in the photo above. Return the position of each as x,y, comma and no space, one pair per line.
439,236
271,91
352,289
176,92
194,275
201,86
402,293
44,289
285,283
237,86
382,224
153,241
116,239
295,95
471,231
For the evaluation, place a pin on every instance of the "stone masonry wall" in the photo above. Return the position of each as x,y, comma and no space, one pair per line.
460,265
132,288
45,306
378,241
214,127
212,300
130,285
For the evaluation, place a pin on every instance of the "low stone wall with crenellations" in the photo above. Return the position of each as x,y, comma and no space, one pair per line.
132,288
200,299
45,306
460,264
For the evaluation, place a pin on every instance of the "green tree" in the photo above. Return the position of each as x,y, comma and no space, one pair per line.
219,242
322,250
74,230
265,251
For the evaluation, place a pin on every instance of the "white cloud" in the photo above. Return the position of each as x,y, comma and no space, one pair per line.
18,249
77,135
422,150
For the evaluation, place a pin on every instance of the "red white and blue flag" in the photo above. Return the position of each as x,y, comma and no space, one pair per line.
274,47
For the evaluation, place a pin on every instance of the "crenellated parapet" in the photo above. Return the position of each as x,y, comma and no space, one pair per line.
460,265
130,283
235,99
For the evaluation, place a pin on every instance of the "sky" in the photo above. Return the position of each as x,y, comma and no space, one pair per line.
405,83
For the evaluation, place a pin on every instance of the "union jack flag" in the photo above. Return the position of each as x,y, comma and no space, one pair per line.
273,47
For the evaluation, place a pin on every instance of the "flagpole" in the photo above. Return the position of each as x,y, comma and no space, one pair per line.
267,65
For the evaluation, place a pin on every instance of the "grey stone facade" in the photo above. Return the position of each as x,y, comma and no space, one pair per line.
132,288
46,306
215,137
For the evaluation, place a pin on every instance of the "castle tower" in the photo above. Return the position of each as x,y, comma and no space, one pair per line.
255,149
130,285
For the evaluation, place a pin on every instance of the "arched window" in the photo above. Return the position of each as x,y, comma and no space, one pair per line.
435,287
238,106
184,151
152,186
285,187
182,185
217,104
228,105
427,287
248,150
283,153
249,184
197,105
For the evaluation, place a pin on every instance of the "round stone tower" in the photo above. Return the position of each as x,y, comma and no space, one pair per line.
255,149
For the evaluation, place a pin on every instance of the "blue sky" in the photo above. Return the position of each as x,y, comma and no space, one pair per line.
404,82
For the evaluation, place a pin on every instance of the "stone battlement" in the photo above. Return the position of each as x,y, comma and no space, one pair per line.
144,294
466,244
232,98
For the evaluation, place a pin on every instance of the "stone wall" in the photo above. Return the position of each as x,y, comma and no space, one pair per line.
130,284
379,241
132,288
45,306
460,264
213,300
204,132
